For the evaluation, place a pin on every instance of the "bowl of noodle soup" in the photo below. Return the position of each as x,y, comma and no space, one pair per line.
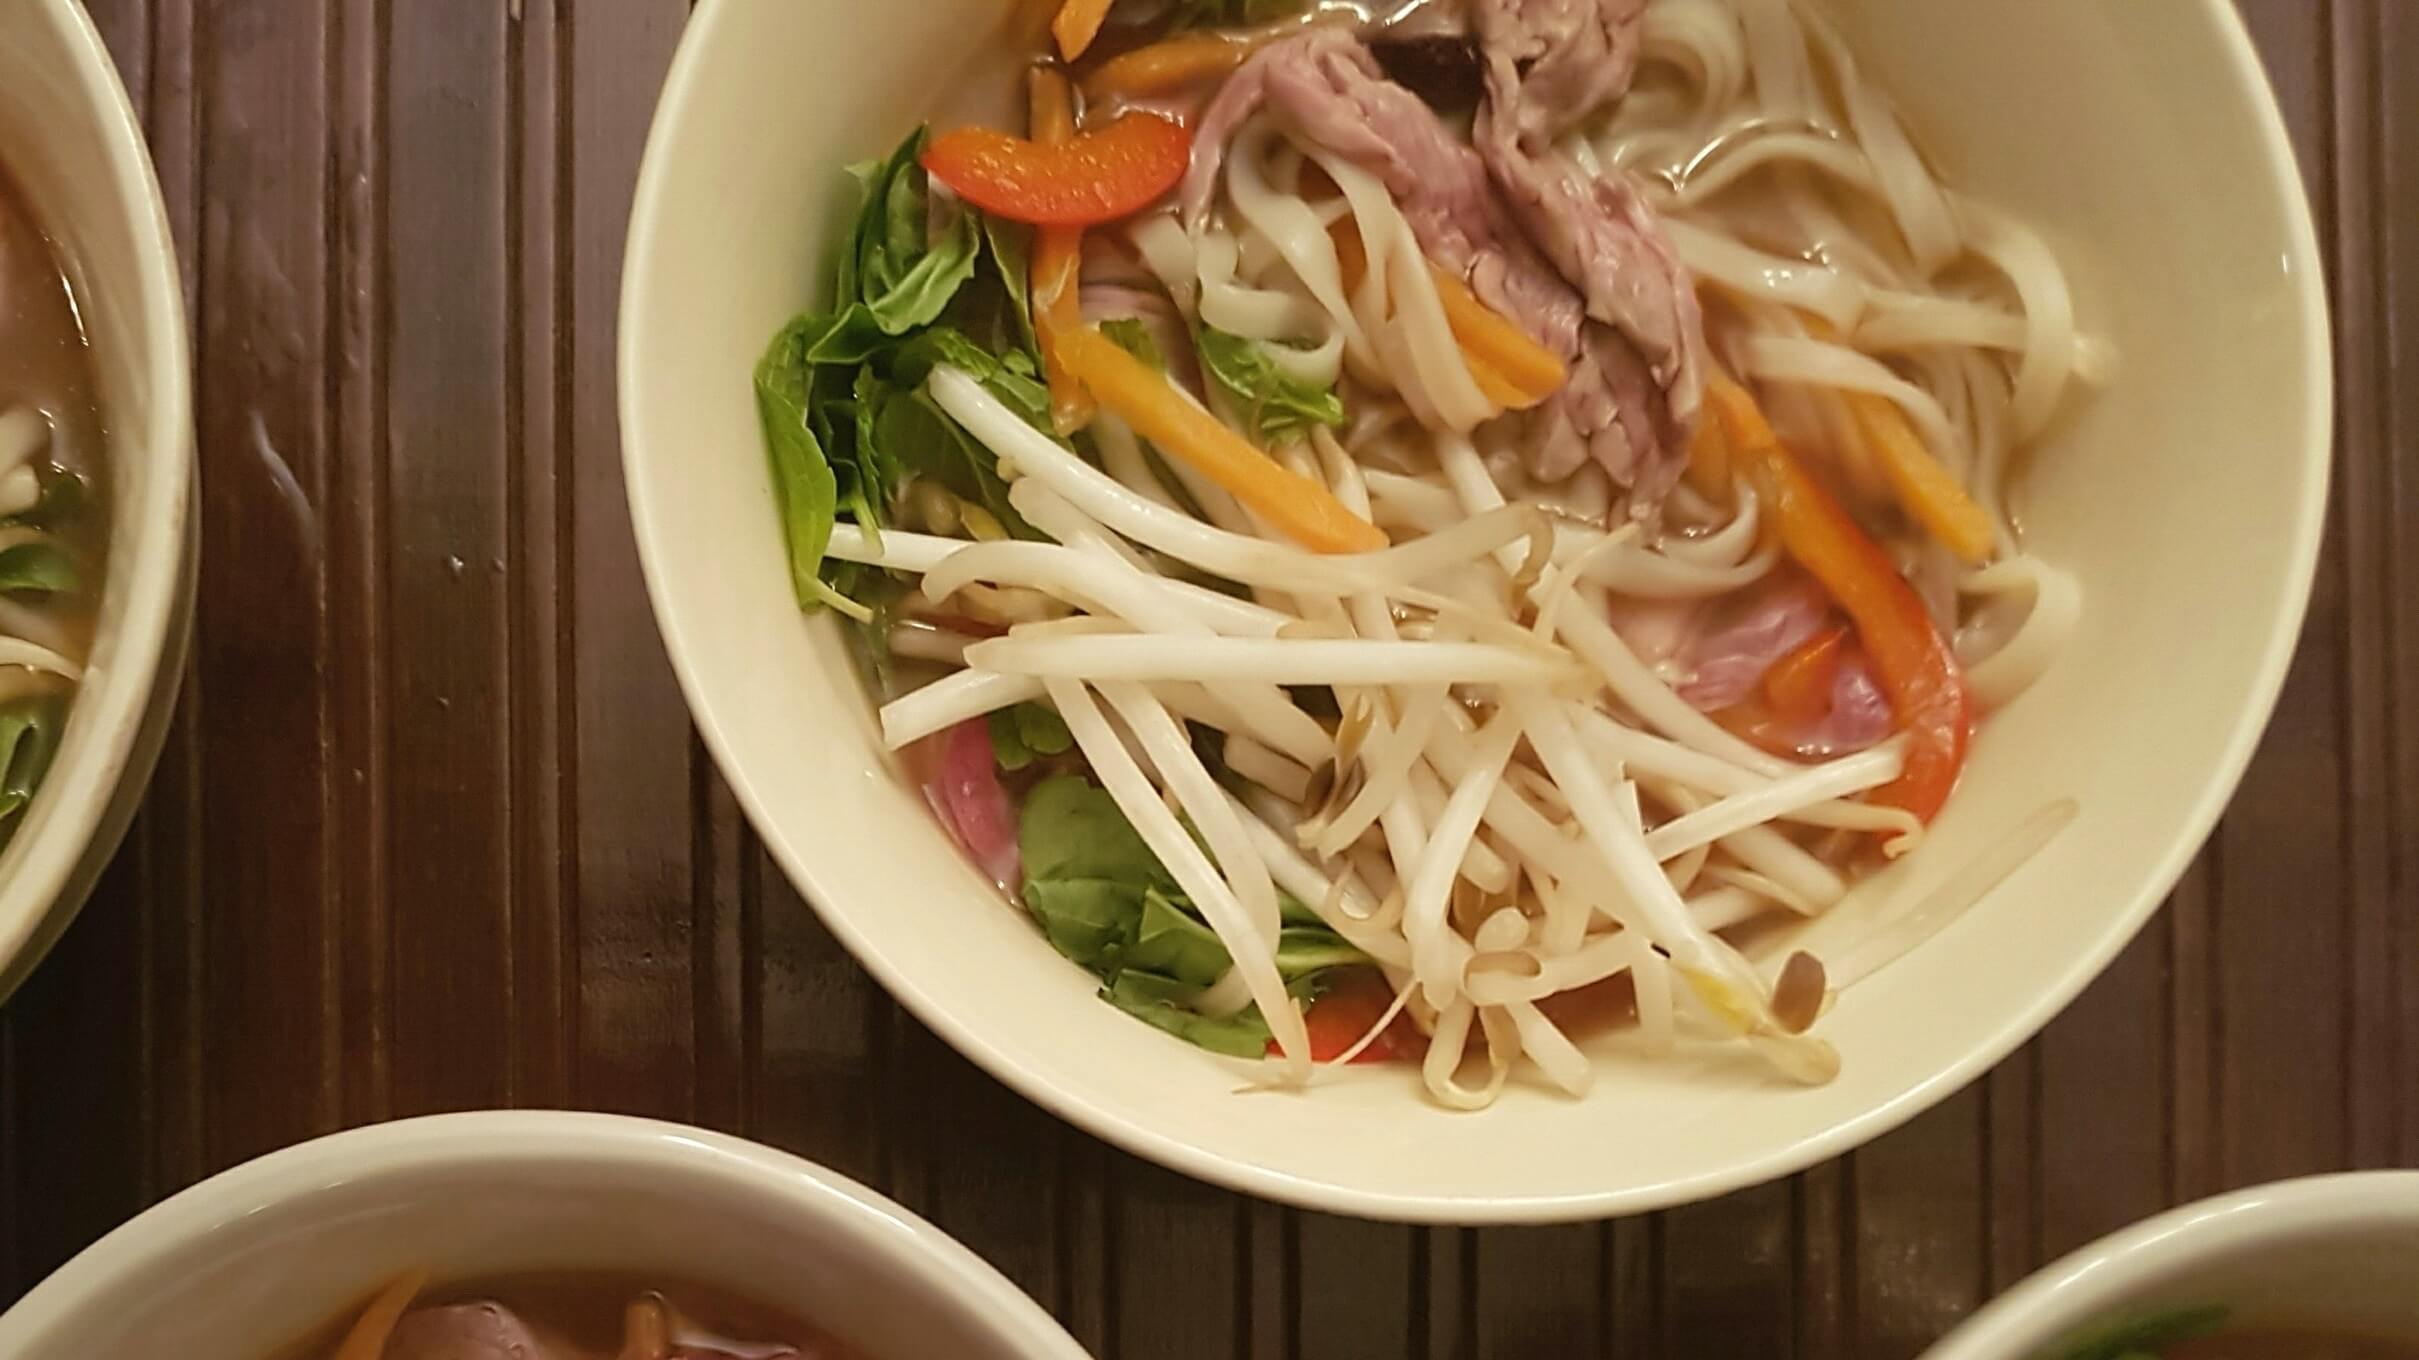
1643,571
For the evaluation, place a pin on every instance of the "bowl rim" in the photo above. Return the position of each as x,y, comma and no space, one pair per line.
499,1141
2307,521
153,569
2080,1287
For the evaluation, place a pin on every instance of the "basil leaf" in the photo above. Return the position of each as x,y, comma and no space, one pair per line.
38,567
2151,1334
1276,404
1011,253
804,486
1011,377
29,740
904,271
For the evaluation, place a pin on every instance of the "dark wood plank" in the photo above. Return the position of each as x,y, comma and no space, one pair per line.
2396,539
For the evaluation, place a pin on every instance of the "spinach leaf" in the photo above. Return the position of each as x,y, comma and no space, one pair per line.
1072,829
39,567
29,740
2148,1336
1024,733
804,486
1241,1035
1134,338
1104,900
1276,404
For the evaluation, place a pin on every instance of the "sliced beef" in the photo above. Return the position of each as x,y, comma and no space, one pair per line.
1570,59
467,1331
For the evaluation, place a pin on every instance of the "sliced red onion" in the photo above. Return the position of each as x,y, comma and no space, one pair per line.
967,792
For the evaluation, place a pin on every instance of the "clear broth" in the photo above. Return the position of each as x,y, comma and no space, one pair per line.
579,1316
46,367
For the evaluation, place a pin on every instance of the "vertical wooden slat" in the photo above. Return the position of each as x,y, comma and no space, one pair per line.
823,1024
2397,351
263,640
2280,895
2100,1139
1537,1291
632,835
1918,1229
1176,1253
537,563
1727,1276
1354,1287
2372,1036
354,815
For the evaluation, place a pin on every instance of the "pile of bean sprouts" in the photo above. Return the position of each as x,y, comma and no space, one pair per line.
1516,803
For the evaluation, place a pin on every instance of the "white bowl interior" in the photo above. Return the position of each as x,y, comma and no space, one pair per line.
69,139
254,1259
2331,1252
2187,498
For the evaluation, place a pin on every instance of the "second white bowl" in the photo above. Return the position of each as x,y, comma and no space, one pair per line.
253,1259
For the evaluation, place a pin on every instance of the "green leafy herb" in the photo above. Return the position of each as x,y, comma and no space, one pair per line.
1241,1035
1135,338
804,484
1011,253
38,566
29,740
840,391
2148,1336
1105,901
1024,733
1277,405
1234,13
899,272
62,498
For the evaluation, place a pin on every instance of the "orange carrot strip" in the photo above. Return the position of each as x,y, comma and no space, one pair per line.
1923,486
1487,336
1077,24
1159,412
1914,663
1167,66
367,1340
1057,260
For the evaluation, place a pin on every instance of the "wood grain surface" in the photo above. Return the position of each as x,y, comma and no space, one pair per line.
432,831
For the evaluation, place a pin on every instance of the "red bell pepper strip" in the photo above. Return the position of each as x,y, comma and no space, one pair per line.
1339,1018
1094,177
1911,659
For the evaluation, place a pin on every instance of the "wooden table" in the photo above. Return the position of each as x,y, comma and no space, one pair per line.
433,832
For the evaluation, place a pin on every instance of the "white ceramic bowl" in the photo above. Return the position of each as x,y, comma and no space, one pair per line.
2329,1252
70,140
253,1258
2188,499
